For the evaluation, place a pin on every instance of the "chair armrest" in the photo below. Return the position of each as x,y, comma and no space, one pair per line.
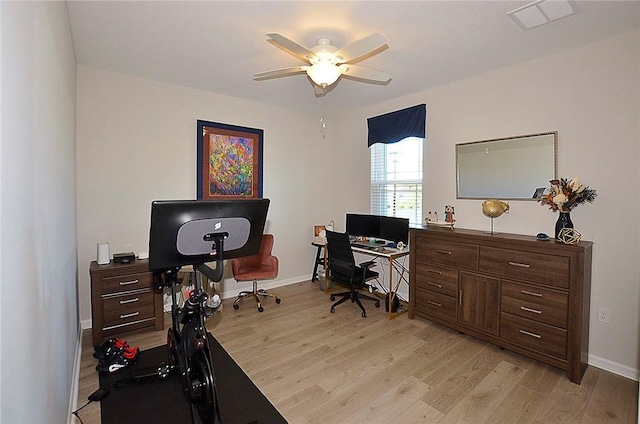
368,264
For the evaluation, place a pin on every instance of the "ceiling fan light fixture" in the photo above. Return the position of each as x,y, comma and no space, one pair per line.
324,73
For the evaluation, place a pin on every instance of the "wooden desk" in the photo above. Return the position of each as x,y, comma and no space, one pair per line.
392,255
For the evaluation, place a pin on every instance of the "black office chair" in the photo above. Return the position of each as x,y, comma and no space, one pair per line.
343,269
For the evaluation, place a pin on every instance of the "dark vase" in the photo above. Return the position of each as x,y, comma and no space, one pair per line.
564,221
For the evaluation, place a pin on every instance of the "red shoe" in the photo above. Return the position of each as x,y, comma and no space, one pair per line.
109,348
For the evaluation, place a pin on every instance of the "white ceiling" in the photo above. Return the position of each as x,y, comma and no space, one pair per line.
217,46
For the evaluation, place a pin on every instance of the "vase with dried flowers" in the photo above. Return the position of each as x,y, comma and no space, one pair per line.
564,195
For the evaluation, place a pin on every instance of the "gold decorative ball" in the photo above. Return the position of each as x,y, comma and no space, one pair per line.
569,236
493,208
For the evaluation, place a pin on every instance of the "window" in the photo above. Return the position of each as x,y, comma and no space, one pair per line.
396,179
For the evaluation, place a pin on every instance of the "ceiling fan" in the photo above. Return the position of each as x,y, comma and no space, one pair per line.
326,63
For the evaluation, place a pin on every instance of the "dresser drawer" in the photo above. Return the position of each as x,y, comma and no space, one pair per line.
536,303
450,253
536,267
116,313
128,301
127,282
437,278
534,335
436,304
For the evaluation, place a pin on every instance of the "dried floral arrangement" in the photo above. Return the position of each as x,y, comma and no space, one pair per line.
565,195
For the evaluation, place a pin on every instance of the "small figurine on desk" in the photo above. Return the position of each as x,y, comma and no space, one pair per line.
449,213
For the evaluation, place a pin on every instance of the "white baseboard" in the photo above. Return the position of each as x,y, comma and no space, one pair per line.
614,367
75,380
85,324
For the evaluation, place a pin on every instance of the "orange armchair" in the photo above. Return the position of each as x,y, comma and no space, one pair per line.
262,266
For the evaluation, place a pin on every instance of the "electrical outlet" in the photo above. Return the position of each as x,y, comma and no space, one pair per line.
604,315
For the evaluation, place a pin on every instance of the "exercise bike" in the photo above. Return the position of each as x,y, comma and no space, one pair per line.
196,232
187,342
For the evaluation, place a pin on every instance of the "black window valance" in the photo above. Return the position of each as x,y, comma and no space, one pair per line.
395,126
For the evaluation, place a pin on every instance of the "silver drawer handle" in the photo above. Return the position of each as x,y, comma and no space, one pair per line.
434,303
444,252
435,285
129,315
531,293
434,271
135,299
519,264
126,283
526,333
535,311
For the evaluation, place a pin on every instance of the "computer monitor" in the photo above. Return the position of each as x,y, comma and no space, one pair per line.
394,229
363,225
183,231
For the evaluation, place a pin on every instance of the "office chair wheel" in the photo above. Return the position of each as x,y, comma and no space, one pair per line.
236,306
333,310
364,314
332,297
260,309
377,304
278,300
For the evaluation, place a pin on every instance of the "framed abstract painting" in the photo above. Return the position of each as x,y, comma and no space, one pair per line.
229,161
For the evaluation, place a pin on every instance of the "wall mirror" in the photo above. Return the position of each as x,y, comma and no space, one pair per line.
510,168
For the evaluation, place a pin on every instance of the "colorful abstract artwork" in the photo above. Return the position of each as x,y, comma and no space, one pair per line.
229,161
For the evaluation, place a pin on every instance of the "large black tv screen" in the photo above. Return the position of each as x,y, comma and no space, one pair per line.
182,231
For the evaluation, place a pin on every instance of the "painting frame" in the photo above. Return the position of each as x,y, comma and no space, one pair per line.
235,154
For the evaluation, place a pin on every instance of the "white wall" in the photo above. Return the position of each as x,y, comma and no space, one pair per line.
137,143
38,313
591,96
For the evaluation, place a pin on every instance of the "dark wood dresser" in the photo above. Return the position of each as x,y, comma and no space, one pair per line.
123,299
523,294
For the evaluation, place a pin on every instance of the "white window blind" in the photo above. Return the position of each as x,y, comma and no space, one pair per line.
396,179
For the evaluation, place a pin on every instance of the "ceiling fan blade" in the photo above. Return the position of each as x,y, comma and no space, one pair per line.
291,47
362,49
276,73
367,74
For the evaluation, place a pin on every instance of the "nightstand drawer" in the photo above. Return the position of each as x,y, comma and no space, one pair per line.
534,335
459,255
127,302
437,278
536,267
536,303
123,314
127,282
437,304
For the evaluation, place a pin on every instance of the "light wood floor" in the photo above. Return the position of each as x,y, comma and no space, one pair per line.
318,367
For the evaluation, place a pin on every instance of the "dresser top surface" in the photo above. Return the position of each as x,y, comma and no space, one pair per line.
483,236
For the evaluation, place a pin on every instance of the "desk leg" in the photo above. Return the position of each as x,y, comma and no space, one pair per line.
326,272
394,290
314,276
391,294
